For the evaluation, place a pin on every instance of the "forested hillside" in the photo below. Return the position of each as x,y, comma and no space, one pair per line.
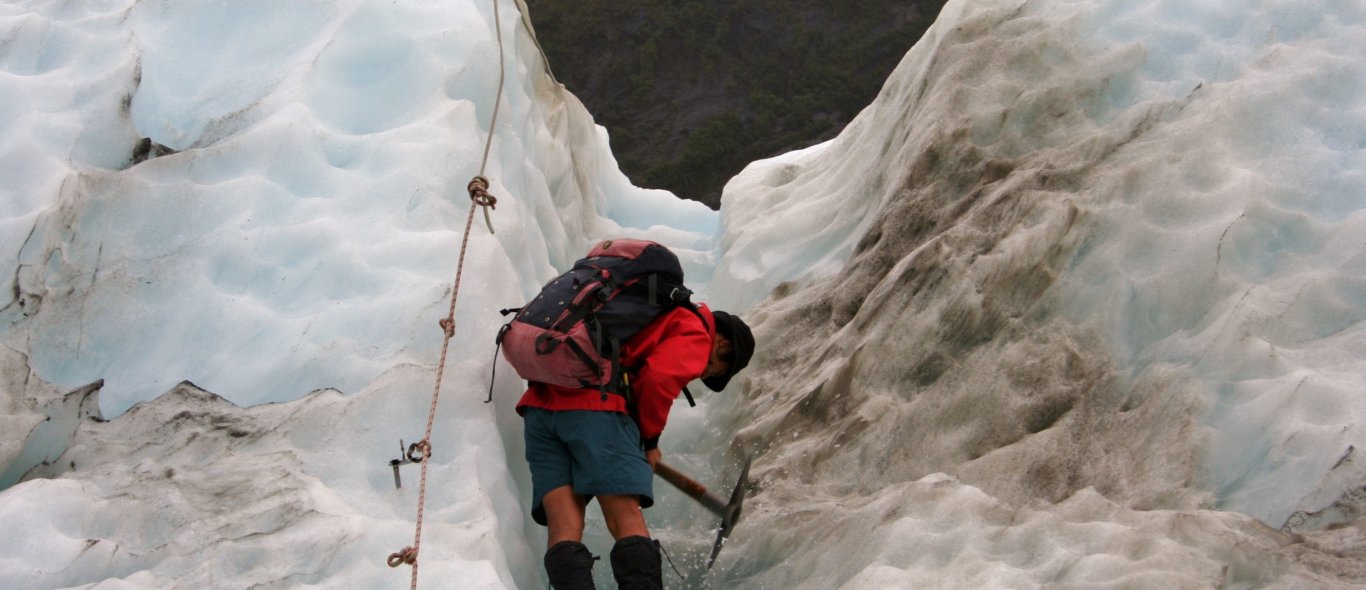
692,91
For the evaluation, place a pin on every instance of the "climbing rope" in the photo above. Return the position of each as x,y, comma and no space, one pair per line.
479,197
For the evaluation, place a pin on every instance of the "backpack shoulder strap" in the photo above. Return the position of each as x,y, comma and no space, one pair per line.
690,306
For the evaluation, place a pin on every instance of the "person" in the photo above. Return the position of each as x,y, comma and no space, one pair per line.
582,444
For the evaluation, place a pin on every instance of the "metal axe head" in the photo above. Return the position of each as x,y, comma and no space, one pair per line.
731,513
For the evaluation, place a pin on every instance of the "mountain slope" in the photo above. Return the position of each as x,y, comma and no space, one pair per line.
692,91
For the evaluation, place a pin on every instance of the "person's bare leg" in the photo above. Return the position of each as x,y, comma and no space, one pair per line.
564,512
635,557
623,515
568,563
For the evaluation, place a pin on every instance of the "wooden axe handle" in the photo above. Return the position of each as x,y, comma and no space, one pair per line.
692,488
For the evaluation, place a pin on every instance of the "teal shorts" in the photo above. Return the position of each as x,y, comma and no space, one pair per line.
598,453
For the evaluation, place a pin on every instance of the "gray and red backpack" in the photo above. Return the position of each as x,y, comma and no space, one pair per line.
572,332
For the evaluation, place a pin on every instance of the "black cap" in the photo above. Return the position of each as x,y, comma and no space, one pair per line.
742,347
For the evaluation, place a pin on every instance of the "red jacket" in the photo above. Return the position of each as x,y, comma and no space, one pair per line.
661,359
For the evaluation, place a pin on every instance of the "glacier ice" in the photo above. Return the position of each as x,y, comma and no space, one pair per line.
312,211
1087,257
1076,302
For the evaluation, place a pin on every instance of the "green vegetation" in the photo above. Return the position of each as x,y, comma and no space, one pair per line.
693,90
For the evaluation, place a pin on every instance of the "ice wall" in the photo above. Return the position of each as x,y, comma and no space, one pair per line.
1073,250
301,229
260,200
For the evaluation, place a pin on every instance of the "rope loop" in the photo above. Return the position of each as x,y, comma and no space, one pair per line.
479,193
419,451
408,555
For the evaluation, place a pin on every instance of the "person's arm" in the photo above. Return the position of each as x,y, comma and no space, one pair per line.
680,357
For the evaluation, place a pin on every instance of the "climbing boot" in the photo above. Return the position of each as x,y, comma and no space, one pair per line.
569,566
636,564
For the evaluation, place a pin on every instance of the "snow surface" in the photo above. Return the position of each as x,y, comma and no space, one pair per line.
1076,302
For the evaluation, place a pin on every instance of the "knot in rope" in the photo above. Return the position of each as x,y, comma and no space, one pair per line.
408,555
448,326
479,193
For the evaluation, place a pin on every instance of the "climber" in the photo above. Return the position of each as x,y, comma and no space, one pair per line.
582,443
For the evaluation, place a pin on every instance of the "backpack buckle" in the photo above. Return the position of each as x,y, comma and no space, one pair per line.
679,295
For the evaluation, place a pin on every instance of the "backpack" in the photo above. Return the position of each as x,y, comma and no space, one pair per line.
572,332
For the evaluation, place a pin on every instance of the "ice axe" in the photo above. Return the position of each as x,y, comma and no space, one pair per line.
728,511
